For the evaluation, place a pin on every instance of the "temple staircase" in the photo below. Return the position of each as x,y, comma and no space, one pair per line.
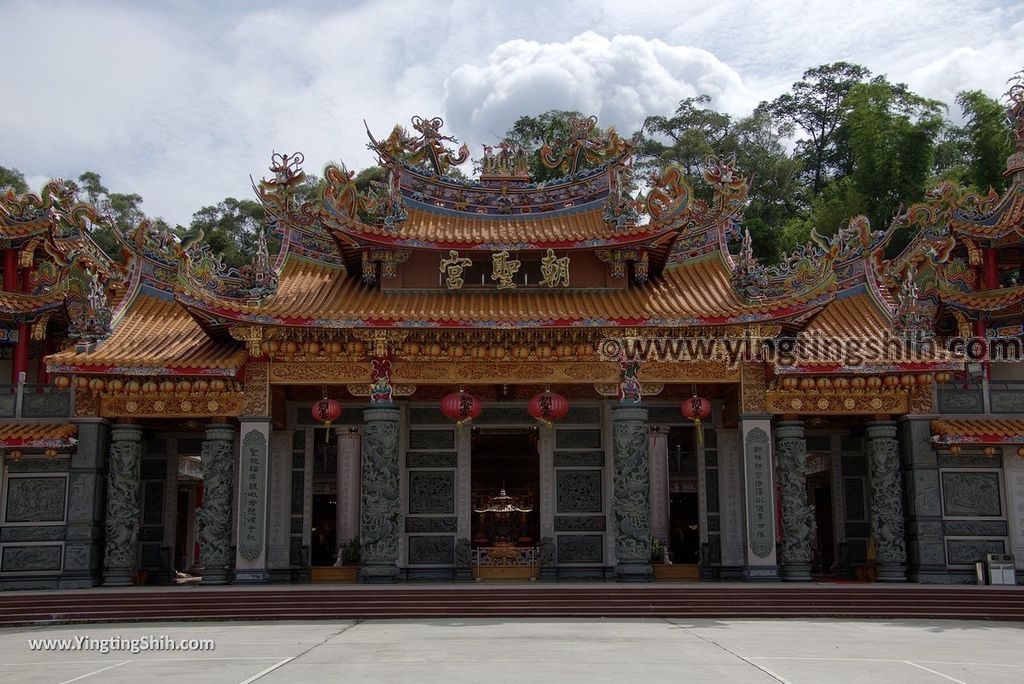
497,601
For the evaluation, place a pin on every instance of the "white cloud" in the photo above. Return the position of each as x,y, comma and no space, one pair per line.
180,102
621,80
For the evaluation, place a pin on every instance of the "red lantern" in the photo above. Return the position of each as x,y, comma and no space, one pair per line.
548,406
460,406
326,410
696,409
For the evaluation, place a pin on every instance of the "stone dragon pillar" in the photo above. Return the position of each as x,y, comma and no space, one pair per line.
122,524
886,502
631,503
380,506
791,450
214,518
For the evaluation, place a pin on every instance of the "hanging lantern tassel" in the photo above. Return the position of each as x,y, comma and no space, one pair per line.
696,409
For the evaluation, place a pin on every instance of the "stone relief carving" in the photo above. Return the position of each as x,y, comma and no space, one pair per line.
431,550
25,558
971,494
886,495
122,525
796,515
431,491
35,499
380,503
581,548
630,505
971,551
214,518
578,491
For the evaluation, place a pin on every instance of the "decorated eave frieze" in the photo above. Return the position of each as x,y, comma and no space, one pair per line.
181,398
823,395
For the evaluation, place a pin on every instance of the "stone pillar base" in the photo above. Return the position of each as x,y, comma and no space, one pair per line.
796,572
118,577
634,572
215,577
895,572
761,573
256,576
378,574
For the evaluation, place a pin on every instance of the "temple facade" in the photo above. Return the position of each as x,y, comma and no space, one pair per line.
166,419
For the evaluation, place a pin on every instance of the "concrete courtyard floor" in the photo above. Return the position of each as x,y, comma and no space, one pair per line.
817,651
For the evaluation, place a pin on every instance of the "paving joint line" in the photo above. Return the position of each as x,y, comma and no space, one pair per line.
773,675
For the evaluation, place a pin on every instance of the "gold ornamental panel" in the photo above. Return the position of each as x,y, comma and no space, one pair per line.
839,402
184,405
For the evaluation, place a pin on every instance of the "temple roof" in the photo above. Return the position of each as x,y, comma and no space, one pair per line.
314,294
37,435
978,431
427,226
154,334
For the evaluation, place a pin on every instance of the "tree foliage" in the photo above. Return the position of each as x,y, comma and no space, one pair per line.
14,179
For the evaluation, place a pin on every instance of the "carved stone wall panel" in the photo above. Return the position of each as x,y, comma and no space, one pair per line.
970,551
32,533
431,492
578,491
36,499
428,460
579,459
431,550
1007,400
580,548
975,528
430,525
971,494
579,523
31,558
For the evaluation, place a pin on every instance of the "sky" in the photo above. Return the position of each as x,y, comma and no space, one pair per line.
182,101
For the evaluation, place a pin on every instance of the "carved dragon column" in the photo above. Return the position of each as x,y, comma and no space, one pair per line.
380,504
886,502
631,503
214,518
791,448
122,525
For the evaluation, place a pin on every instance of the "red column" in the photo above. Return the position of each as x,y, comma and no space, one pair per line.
10,270
991,266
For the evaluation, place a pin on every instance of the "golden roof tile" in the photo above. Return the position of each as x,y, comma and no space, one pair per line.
154,333
316,294
978,431
36,434
472,231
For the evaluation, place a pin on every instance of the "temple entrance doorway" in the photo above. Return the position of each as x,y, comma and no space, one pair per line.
505,482
323,542
819,498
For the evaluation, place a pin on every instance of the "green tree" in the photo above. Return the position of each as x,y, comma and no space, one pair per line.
892,138
686,138
777,195
14,179
817,105
988,139
532,132
230,228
